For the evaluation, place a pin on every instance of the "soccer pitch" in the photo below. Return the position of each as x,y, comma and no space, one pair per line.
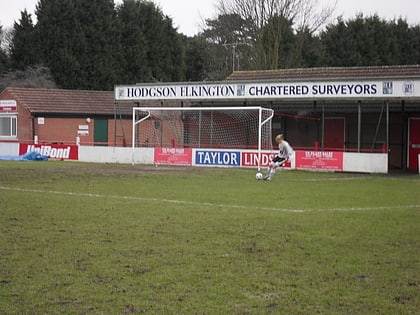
79,238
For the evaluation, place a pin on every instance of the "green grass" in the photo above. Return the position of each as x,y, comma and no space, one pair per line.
81,238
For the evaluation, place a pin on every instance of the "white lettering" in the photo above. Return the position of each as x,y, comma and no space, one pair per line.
344,89
319,154
152,92
52,152
207,158
278,90
217,158
207,91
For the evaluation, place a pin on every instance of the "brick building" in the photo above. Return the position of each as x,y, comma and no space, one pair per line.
64,116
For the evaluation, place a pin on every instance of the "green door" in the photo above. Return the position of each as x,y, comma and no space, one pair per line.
100,136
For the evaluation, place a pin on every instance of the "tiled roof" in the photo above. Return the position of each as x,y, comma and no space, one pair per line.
328,73
56,101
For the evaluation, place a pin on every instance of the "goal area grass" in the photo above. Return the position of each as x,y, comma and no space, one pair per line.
86,238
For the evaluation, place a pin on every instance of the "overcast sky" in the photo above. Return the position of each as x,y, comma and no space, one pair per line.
188,15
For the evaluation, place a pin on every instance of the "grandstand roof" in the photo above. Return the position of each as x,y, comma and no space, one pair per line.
405,71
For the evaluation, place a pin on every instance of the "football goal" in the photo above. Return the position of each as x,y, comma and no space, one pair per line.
203,127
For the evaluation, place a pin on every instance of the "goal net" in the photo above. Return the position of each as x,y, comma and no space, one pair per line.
202,127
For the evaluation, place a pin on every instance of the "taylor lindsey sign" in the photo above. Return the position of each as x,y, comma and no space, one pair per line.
286,90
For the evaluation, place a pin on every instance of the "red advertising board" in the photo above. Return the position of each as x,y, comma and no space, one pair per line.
8,106
319,160
250,159
53,151
173,156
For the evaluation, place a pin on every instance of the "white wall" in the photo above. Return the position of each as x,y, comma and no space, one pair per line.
352,162
9,148
115,155
365,162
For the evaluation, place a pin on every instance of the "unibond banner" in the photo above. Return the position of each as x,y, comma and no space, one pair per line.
53,151
173,156
269,90
319,160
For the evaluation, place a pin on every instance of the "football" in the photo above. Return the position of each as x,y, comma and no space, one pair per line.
259,176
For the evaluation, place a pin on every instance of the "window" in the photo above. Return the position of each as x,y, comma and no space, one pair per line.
8,126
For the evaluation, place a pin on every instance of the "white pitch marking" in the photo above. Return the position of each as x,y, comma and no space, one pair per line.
207,204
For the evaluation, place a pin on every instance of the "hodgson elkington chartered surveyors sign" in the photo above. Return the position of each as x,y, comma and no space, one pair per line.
270,90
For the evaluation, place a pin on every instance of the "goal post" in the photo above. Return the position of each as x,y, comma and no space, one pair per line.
240,128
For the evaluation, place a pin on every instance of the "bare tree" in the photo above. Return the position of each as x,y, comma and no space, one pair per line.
32,77
270,20
304,13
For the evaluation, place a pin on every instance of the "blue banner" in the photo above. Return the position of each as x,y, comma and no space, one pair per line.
217,158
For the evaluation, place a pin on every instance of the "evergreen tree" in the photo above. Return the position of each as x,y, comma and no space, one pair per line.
24,49
414,58
404,43
197,54
306,50
150,46
77,39
370,42
133,60
3,62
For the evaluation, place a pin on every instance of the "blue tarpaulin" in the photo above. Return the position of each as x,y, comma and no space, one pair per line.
30,156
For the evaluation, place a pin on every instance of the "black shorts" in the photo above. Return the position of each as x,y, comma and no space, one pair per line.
279,161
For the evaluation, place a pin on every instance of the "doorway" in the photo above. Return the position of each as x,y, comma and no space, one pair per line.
100,136
334,133
413,144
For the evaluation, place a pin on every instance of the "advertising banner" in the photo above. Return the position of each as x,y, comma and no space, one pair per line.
53,151
250,159
217,158
317,160
339,89
8,106
173,156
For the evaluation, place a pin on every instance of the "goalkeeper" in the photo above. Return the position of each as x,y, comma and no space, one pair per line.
285,152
